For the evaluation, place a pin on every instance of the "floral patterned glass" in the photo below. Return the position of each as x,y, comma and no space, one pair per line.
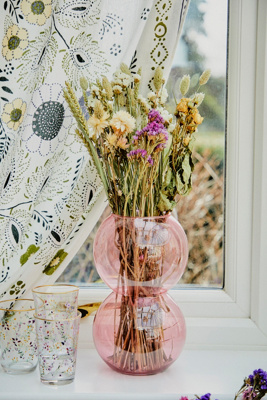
52,300
17,336
57,348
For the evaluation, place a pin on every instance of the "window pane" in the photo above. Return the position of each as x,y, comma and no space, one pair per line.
203,45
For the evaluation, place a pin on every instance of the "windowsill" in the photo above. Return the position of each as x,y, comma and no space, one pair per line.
195,372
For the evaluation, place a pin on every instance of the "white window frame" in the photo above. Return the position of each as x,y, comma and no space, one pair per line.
234,317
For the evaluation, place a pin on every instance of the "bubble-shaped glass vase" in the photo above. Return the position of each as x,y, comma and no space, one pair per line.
139,330
143,337
150,253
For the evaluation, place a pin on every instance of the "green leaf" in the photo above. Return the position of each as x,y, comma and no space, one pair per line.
165,204
168,177
186,168
182,188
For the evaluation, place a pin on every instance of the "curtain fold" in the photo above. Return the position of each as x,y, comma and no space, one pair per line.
50,194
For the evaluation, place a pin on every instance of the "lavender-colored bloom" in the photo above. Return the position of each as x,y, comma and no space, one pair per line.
160,146
136,152
150,160
249,394
154,115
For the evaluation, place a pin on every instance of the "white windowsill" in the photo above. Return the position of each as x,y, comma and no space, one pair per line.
195,372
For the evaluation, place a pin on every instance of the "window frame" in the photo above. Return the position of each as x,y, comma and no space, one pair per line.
233,317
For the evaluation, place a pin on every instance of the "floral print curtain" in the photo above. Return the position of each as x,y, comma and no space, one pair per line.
50,193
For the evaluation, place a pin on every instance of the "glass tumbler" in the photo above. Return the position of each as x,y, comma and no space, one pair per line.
52,300
57,348
17,336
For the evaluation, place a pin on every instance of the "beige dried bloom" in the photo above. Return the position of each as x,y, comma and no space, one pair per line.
98,110
122,143
158,78
84,83
205,77
122,122
125,69
184,84
107,86
98,124
111,139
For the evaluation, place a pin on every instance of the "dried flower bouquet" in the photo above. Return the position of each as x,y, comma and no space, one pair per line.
143,155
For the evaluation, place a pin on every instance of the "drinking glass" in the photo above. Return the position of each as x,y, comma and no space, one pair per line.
57,348
17,336
53,300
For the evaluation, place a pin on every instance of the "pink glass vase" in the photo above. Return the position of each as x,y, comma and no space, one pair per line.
139,330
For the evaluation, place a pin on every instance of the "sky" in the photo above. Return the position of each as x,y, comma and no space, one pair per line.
213,46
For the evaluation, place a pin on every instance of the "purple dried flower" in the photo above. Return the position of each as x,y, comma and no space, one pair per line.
150,160
205,397
154,115
141,152
258,379
249,394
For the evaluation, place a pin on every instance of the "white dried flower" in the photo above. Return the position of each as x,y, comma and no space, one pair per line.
91,101
122,79
163,96
165,115
171,128
152,96
184,84
143,101
117,89
95,90
123,122
137,78
198,98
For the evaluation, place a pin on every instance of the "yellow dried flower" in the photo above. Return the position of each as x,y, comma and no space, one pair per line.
184,84
122,122
205,77
182,106
84,83
107,86
197,117
158,78
186,141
